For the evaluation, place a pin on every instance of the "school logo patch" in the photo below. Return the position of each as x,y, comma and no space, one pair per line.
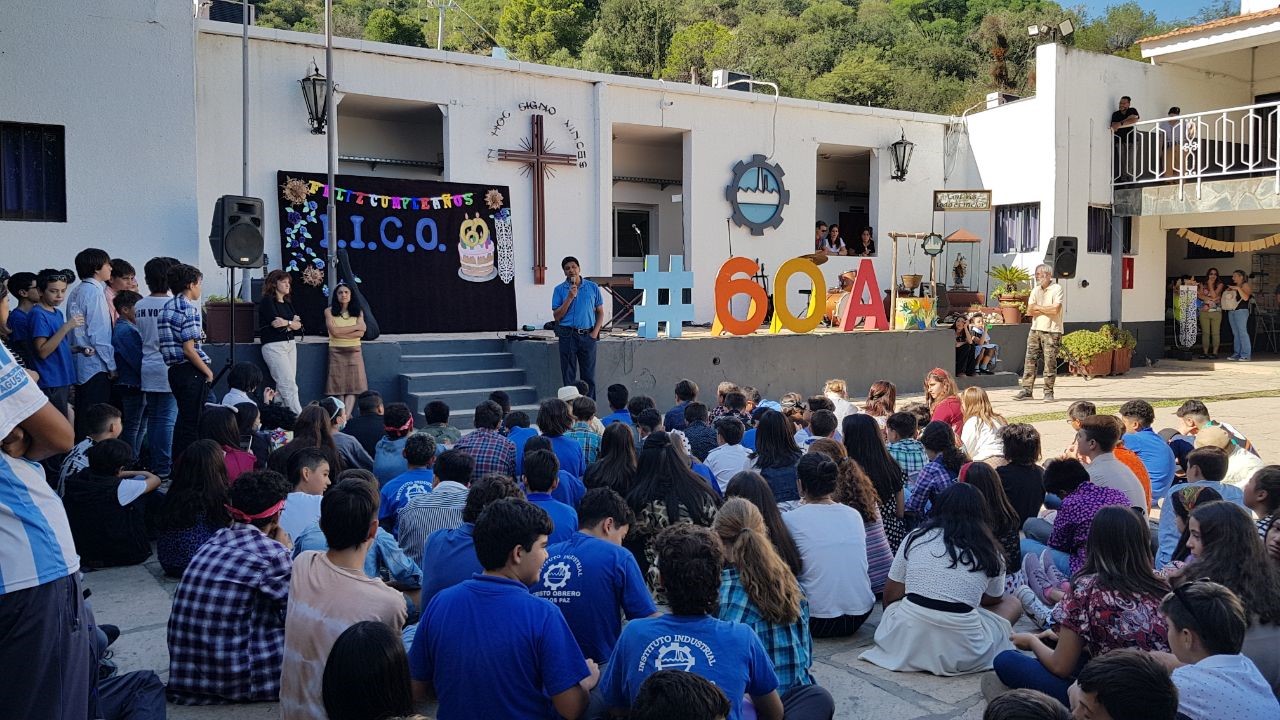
556,575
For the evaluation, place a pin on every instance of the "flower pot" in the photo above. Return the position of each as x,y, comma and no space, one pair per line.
1097,366
217,325
1011,315
1121,360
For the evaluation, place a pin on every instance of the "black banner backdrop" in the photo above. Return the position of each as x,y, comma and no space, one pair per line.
430,256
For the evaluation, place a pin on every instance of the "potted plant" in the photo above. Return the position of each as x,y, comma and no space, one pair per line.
217,324
1088,353
1013,287
1122,355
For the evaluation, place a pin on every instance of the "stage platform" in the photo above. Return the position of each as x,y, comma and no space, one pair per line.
463,368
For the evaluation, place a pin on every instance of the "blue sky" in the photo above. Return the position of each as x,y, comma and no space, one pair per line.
1165,9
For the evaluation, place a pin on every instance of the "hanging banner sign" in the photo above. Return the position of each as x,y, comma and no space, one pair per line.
961,200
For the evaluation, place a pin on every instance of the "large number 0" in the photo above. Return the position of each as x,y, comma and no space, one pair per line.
727,286
780,310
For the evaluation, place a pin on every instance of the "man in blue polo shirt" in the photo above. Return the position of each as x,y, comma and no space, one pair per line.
449,556
541,476
578,310
489,649
593,579
1154,452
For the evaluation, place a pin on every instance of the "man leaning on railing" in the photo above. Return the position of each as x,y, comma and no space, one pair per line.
1122,121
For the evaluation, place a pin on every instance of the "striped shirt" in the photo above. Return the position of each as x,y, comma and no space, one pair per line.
440,509
36,545
179,322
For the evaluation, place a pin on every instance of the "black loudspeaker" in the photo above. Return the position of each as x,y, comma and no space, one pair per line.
236,237
1063,250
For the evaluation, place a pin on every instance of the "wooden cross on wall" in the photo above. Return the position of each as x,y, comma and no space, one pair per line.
538,162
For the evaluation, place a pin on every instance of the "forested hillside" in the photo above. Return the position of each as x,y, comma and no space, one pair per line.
926,55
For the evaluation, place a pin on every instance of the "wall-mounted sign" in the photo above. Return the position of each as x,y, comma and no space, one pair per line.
757,194
563,137
932,244
961,200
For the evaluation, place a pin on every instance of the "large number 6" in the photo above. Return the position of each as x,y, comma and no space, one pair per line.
727,286
780,310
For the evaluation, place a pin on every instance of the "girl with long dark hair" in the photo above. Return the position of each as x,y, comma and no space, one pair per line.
864,444
749,486
667,492
942,470
194,508
1185,500
615,467
366,676
350,450
946,575
344,319
775,457
1002,517
854,488
1114,602
312,429
218,423
758,589
278,327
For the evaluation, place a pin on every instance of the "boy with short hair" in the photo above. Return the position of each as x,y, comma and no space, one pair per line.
440,509
104,422
309,473
438,427
618,396
106,507
593,579
821,425
93,354
901,430
921,412
1125,684
161,408
570,488
123,277
1157,458
420,454
1207,624
516,427
233,596
729,456
530,666
541,476
180,338
730,655
1206,467
242,382
329,592
648,422
583,410
722,391
22,285
127,342
449,556
701,434
686,391
638,404
49,330
367,425
674,693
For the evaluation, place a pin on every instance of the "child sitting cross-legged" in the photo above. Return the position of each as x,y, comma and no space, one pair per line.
530,665
107,507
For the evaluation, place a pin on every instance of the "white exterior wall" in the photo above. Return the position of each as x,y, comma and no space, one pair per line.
120,80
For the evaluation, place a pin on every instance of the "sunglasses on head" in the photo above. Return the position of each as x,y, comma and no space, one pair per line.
1180,592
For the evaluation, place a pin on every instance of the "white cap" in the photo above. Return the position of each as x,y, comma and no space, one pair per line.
568,393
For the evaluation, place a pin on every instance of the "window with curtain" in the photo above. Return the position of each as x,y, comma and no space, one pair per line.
1017,228
1100,231
32,172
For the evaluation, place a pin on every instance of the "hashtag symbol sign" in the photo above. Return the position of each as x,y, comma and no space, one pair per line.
652,310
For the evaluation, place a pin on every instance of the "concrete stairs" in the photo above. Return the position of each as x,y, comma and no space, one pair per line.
462,373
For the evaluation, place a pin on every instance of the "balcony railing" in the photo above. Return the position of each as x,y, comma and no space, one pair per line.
1189,149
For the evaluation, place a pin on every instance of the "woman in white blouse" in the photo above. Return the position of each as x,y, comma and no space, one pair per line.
981,431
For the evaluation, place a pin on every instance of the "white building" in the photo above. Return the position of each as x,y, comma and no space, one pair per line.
142,101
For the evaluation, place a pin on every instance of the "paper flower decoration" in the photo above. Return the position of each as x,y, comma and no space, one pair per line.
493,199
295,191
312,276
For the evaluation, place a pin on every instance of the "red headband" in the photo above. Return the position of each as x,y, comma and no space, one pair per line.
405,427
241,516
964,470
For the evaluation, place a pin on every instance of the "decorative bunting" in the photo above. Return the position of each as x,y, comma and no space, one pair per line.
442,201
1224,246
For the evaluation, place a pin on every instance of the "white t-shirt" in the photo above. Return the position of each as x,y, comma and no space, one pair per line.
926,572
155,374
833,545
725,461
234,397
300,510
981,441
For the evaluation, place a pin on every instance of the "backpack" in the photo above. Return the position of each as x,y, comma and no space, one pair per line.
1230,299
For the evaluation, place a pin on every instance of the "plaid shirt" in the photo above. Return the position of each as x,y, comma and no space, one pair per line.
909,454
933,479
226,631
179,322
590,442
790,647
491,452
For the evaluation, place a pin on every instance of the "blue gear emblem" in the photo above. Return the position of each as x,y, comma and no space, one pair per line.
757,194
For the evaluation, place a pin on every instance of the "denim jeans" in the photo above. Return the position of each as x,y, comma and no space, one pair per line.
1240,345
577,358
162,414
1061,560
132,405
1018,670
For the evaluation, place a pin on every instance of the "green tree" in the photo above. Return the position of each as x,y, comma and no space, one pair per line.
1119,29
862,77
385,25
536,30
631,37
698,49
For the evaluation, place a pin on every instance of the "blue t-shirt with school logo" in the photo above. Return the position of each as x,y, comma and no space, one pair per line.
594,583
401,489
56,370
728,654
492,650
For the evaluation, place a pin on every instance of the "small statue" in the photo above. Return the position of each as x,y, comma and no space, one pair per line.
959,269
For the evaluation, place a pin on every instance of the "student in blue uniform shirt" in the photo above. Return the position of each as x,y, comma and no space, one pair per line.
593,579
554,420
48,331
541,470
516,427
488,648
420,454
618,396
570,488
449,556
